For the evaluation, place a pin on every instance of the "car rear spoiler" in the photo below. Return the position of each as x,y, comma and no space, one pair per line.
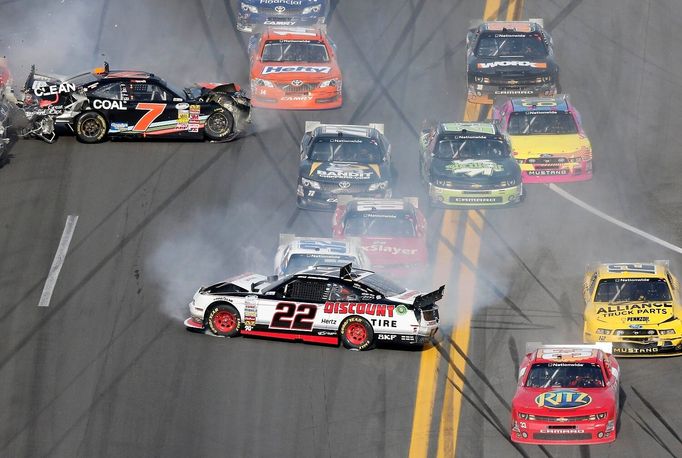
423,300
312,125
606,347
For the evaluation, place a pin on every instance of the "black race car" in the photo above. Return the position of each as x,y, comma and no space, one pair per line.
468,164
342,160
510,59
127,104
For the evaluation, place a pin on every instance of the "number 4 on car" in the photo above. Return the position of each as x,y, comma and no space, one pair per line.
323,304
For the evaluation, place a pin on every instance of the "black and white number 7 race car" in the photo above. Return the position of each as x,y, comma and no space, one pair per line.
324,304
136,104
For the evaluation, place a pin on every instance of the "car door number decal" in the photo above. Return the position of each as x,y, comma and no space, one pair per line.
154,110
291,316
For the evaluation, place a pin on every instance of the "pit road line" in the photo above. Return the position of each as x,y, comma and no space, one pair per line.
584,205
58,261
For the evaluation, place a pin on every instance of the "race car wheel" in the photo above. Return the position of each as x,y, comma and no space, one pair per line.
219,125
224,320
356,333
91,127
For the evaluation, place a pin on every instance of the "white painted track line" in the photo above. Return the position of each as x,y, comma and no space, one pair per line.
613,220
58,261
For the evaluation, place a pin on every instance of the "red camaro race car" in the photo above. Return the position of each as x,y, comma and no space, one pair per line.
295,69
392,232
567,394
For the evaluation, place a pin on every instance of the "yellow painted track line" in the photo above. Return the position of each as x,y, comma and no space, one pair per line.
491,10
514,10
430,359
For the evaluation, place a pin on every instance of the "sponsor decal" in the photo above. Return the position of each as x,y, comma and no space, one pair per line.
119,127
472,200
562,431
384,323
637,318
381,247
634,350
635,309
326,333
296,98
328,321
510,35
566,354
280,9
511,63
643,268
269,22
182,106
295,69
108,105
473,167
194,124
250,313
41,89
408,338
344,184
563,399
183,119
358,308
389,337
539,173
347,171
285,2
401,309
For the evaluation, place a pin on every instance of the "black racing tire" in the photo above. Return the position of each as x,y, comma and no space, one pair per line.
224,320
91,127
356,333
219,125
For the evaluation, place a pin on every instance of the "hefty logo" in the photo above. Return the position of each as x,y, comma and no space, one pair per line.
511,63
298,69
563,399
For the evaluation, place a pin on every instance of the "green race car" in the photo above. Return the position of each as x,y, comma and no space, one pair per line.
468,165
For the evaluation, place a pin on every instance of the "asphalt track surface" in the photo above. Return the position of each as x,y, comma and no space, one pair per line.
108,369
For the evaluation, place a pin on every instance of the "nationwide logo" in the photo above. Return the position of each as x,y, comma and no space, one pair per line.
512,63
563,399
295,69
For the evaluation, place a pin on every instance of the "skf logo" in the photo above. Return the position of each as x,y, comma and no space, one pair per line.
563,399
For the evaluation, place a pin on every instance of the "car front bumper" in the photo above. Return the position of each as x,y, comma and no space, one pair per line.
567,172
579,433
448,197
317,99
254,22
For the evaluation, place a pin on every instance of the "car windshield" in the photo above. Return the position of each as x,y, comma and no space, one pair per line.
552,123
565,375
632,290
379,225
460,149
298,262
295,51
362,150
382,285
512,45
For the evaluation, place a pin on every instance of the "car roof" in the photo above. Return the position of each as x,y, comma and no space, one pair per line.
380,206
511,26
567,354
333,272
294,34
632,270
464,128
296,247
558,103
342,130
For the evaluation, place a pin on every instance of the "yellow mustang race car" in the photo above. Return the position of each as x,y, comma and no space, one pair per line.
547,138
635,306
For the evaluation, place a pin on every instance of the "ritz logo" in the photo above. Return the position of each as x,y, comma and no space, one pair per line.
563,399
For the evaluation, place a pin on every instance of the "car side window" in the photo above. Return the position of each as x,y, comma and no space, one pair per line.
343,293
148,92
593,281
305,290
110,91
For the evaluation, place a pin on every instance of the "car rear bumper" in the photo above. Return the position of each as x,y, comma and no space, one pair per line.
447,197
254,22
486,94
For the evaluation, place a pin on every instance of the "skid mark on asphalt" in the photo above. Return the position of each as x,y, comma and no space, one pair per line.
658,415
58,260
585,206
648,430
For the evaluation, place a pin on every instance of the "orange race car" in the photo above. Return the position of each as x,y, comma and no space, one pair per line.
294,69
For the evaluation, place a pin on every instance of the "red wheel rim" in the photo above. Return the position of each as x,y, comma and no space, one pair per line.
224,321
356,333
